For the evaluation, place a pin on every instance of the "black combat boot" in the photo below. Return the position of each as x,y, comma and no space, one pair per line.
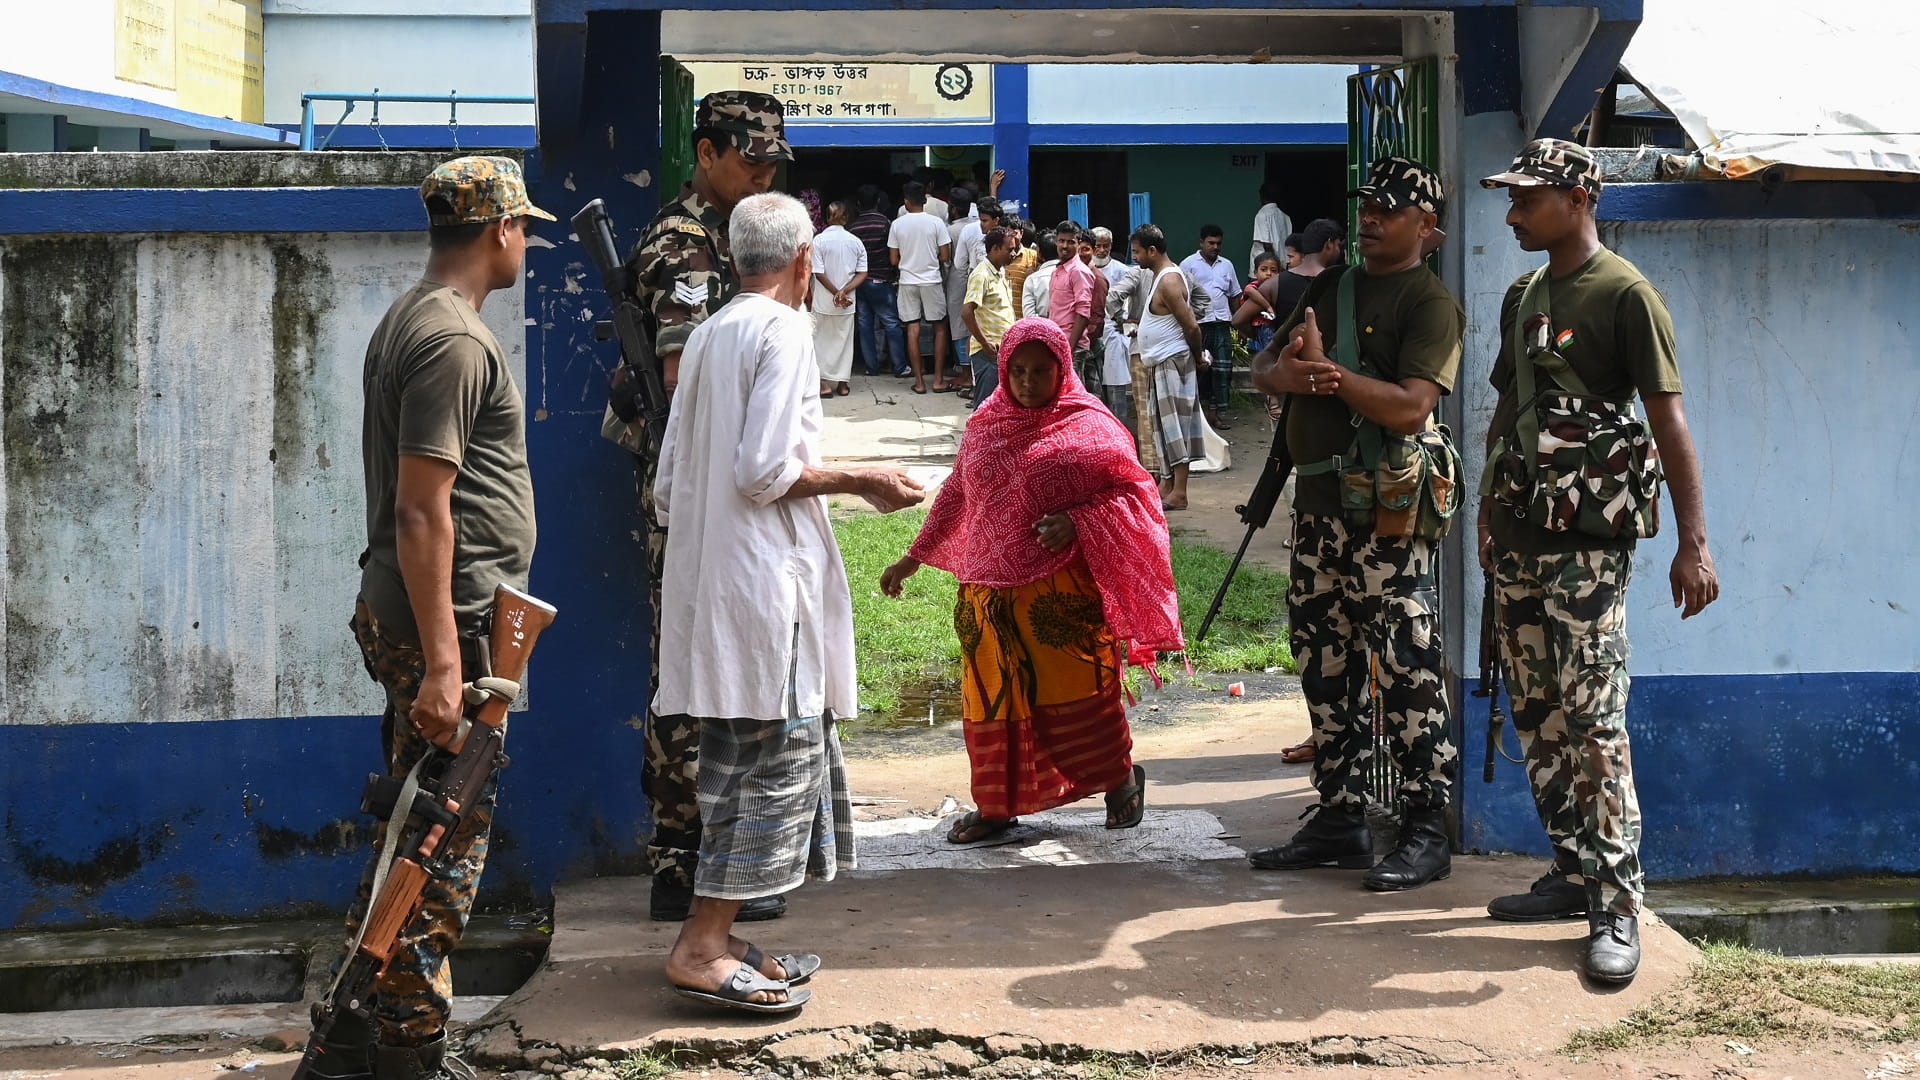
1422,856
1552,897
1613,947
347,1051
671,903
428,1061
1333,836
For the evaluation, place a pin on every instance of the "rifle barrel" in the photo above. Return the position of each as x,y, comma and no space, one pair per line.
1220,596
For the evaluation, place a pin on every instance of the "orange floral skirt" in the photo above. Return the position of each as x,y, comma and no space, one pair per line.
1041,694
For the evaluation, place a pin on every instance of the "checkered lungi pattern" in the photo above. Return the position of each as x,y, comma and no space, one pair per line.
774,803
1175,390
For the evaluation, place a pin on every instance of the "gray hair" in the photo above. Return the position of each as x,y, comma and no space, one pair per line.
766,232
1101,232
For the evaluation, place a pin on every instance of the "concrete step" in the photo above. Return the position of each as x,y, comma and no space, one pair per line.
235,964
1861,915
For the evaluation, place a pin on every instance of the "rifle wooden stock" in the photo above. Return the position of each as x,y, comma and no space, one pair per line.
518,620
393,909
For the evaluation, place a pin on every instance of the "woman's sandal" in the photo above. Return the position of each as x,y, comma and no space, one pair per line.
974,820
737,993
1298,754
1135,792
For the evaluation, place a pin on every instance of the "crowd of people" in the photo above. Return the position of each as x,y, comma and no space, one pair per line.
1052,521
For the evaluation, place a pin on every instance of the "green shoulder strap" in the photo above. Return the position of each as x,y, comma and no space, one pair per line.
1536,298
1368,439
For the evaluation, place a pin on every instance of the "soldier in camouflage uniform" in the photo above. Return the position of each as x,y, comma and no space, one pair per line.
683,272
1562,595
1363,606
445,459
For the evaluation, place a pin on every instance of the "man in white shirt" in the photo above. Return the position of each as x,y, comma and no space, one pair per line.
1036,293
1213,273
963,221
919,245
756,633
1116,381
1271,227
839,267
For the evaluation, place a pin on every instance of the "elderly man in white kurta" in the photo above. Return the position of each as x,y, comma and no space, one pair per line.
756,636
839,268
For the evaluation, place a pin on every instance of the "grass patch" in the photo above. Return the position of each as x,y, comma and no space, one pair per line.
900,643
1250,633
651,1065
1738,993
910,642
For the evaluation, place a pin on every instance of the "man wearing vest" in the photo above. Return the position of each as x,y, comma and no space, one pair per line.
1365,359
1586,324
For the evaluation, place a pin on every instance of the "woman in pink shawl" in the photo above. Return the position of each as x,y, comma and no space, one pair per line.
1056,535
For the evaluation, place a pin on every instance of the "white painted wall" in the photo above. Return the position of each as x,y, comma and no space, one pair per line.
1187,93
183,503
419,47
69,43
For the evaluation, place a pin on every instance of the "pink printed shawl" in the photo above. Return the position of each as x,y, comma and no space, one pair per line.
1018,465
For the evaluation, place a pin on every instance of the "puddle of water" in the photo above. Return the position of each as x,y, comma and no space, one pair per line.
923,706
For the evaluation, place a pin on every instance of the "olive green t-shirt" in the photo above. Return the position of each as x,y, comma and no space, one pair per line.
1410,326
1612,327
437,385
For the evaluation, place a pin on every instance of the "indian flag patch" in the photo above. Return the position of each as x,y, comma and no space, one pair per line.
1561,342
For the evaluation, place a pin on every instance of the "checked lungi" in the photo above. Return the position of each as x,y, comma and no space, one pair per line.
774,801
1175,388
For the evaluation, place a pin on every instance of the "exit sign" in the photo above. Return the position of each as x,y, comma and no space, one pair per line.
1246,161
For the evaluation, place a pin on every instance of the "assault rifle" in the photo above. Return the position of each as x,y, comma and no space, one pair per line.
1258,509
438,794
636,389
1490,674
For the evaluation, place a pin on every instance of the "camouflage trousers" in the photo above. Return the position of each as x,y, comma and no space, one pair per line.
414,999
1563,627
670,772
1367,639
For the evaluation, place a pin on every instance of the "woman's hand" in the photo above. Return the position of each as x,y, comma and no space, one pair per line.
895,576
1056,532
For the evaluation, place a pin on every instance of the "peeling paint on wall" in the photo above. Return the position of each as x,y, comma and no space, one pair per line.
179,419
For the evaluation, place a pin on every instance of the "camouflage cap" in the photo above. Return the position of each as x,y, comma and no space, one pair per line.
1396,182
756,122
480,189
1550,163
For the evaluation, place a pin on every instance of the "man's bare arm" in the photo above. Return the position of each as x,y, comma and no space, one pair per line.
1695,582
887,489
423,520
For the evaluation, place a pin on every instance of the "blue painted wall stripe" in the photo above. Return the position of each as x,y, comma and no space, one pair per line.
1750,199
916,135
215,126
1189,134
1743,774
239,210
418,136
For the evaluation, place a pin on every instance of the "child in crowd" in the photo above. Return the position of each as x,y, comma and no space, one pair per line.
1263,323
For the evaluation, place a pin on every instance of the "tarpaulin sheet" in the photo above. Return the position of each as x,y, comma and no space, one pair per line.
1823,84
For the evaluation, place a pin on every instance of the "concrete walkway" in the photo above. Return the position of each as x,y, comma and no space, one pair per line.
1127,957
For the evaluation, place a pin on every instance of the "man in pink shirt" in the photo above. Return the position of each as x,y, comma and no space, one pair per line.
1070,295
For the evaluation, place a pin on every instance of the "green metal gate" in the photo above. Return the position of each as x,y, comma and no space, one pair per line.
1391,112
676,128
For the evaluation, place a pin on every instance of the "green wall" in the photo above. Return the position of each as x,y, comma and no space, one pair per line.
1200,185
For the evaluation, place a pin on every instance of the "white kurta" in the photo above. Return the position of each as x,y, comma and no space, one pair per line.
744,565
